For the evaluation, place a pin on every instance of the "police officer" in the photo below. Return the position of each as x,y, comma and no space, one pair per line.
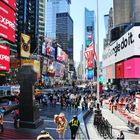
74,125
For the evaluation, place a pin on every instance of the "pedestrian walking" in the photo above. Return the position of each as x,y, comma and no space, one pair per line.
1,122
16,118
74,125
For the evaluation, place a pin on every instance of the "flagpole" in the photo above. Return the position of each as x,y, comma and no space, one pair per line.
98,70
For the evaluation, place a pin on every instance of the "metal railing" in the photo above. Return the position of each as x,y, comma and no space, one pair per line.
103,127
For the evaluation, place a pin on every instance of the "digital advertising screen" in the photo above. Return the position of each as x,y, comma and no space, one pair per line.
7,22
59,54
11,3
50,51
90,74
4,58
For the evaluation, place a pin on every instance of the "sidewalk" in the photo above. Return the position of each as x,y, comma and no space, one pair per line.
118,124
47,114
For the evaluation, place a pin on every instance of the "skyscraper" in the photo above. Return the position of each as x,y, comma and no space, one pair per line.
53,7
27,21
64,32
89,35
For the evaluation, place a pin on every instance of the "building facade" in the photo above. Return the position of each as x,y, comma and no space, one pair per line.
64,32
27,21
89,36
121,56
53,7
42,5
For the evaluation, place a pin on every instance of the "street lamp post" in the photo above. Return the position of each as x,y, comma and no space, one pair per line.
97,49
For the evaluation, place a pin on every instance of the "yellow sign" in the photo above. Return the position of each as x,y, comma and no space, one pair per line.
34,63
25,45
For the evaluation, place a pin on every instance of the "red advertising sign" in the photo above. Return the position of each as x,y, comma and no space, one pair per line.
120,70
4,58
11,3
7,22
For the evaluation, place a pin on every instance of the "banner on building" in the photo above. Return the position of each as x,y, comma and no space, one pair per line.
25,45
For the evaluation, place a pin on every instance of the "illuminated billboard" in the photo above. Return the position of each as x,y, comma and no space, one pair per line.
59,54
4,58
11,3
90,74
7,22
25,45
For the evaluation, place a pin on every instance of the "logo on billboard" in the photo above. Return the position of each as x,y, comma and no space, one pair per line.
25,45
4,58
120,45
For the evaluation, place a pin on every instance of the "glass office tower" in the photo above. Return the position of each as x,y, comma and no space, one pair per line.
64,32
54,7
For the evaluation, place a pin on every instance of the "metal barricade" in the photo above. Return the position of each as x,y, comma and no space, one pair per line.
103,126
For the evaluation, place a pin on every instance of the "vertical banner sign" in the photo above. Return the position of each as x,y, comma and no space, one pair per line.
25,45
4,58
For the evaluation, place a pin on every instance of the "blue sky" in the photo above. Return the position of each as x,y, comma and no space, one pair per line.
77,14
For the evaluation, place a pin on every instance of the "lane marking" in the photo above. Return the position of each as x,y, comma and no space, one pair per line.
49,121
8,121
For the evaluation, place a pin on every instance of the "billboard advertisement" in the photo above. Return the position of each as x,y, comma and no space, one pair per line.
25,45
125,47
90,63
57,69
4,58
119,70
7,22
44,69
15,63
59,54
11,3
50,68
50,51
90,74
131,68
110,72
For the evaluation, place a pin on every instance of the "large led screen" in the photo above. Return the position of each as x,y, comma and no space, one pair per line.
7,22
4,58
90,74
11,3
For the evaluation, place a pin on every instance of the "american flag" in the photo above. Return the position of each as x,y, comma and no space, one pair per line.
90,52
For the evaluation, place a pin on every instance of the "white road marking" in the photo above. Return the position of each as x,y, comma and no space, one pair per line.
8,122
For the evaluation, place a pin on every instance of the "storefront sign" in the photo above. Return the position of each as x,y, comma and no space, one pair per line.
125,47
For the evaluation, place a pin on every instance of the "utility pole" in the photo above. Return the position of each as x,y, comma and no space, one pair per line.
98,64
